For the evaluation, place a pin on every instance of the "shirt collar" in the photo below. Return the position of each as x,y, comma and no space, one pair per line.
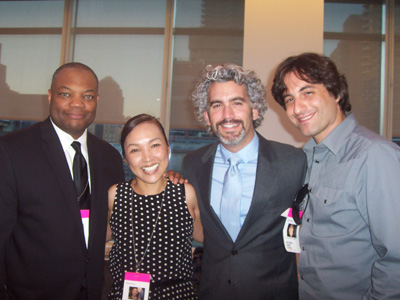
66,139
337,137
246,154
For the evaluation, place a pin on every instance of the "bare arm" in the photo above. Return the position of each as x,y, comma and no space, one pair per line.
111,196
193,206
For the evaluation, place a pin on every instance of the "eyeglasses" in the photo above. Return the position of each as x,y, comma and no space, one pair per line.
300,203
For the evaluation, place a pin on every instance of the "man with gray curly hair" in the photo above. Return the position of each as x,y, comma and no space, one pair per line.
243,185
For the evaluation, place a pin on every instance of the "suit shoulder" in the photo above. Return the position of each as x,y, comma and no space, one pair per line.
195,155
22,136
280,148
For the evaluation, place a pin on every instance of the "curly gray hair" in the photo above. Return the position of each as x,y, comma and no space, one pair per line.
229,72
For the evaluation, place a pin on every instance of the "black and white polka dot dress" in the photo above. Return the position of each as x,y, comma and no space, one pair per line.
168,258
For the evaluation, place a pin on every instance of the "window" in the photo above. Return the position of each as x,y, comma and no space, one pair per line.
201,38
358,36
148,54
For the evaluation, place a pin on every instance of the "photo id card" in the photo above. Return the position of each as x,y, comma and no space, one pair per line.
85,222
136,286
290,233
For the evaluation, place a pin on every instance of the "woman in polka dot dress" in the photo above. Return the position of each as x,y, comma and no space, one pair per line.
152,220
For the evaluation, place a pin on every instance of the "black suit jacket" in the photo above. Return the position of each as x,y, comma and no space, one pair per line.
256,266
42,246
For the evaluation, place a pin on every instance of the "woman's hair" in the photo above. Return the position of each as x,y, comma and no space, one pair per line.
315,69
131,290
224,73
135,121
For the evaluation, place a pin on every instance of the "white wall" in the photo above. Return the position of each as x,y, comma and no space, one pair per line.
274,30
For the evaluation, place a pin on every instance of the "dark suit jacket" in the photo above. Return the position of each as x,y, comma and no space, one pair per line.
256,266
42,247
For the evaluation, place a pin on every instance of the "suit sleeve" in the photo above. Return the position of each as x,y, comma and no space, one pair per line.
8,206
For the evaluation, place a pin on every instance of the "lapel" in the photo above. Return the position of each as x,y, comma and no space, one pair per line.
55,154
204,179
265,185
94,181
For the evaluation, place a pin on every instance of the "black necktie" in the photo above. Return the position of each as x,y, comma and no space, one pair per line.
81,179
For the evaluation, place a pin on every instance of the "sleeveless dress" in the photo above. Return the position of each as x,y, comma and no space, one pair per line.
168,257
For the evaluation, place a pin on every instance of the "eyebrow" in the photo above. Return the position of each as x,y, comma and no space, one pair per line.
230,100
300,90
150,141
68,88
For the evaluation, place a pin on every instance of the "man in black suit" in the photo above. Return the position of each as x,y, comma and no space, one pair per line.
244,255
43,251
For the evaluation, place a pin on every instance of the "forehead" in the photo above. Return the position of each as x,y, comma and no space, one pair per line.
146,131
75,76
294,82
227,89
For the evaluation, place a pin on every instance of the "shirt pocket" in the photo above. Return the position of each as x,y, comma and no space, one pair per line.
333,211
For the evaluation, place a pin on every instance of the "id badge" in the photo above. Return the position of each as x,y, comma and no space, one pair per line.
290,233
85,222
136,286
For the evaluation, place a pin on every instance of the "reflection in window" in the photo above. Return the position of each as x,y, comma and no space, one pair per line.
206,32
30,43
396,94
123,42
353,39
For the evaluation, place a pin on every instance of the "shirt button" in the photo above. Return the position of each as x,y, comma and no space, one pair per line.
317,161
308,219
303,248
302,277
234,252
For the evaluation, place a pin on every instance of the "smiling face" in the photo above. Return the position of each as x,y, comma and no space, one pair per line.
134,293
73,100
311,108
230,114
146,153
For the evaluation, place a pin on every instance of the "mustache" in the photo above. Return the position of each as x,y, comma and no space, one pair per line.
227,121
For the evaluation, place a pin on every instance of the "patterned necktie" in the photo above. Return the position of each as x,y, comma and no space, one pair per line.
231,196
81,180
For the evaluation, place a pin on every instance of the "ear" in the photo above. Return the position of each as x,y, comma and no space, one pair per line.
49,95
255,113
206,117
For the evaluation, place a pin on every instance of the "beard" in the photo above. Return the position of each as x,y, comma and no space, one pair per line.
230,139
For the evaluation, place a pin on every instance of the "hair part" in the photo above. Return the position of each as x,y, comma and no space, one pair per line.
135,121
224,73
74,65
315,69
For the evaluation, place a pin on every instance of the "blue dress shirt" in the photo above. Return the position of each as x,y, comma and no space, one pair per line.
249,156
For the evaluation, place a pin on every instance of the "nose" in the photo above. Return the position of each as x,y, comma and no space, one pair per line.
298,106
228,112
146,155
77,101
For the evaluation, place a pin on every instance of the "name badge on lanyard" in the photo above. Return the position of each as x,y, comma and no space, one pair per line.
290,233
136,286
85,222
